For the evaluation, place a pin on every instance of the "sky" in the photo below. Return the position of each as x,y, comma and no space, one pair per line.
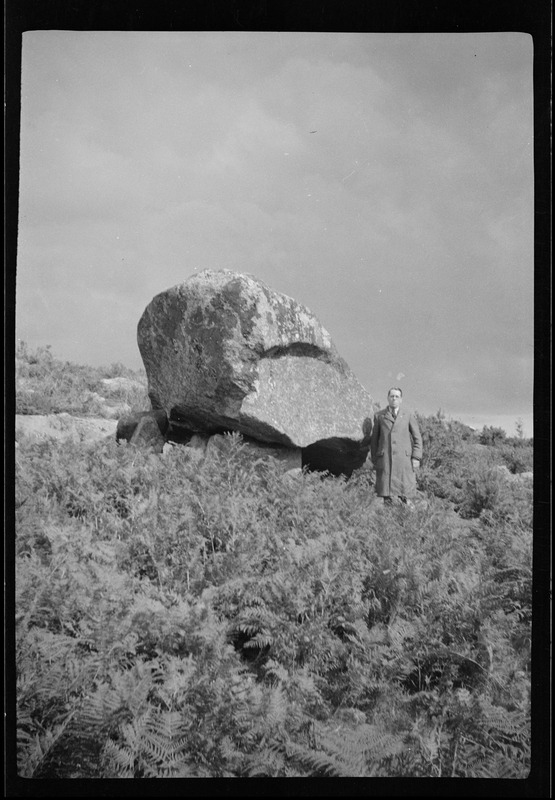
384,180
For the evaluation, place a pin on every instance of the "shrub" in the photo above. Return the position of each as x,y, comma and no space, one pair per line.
223,619
47,385
447,458
216,618
491,435
517,454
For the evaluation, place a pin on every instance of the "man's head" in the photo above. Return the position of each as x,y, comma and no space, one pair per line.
395,397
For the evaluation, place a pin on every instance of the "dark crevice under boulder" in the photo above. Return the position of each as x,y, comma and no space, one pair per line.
336,456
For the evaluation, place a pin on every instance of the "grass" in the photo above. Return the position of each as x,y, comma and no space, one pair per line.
47,385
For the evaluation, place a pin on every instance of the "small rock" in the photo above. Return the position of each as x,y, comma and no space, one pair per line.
524,476
293,474
147,435
127,424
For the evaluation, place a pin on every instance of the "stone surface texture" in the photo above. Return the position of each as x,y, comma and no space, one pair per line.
224,352
147,435
64,426
127,425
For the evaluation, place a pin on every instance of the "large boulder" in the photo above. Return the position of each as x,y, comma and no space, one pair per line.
224,352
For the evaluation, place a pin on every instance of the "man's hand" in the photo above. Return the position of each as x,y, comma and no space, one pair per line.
415,463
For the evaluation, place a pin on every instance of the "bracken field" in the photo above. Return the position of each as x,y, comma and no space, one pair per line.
179,616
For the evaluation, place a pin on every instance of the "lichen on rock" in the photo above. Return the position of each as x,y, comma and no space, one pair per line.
224,352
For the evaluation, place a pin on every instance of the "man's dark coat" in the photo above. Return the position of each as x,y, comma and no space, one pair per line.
394,442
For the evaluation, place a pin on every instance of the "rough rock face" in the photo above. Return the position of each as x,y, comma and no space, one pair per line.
224,352
127,425
147,435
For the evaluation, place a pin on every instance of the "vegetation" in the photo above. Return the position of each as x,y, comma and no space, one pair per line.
181,617
47,385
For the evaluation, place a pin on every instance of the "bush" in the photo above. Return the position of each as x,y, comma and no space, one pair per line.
447,458
182,617
517,454
491,435
217,619
46,385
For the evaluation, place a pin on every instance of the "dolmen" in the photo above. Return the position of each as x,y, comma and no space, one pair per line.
223,352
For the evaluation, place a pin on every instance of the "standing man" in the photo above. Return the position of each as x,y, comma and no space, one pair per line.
395,449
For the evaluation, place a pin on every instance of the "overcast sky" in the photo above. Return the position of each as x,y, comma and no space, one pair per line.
383,180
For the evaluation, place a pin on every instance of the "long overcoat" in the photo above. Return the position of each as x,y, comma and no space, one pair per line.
394,442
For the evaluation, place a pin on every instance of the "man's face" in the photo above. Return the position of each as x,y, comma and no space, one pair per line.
394,399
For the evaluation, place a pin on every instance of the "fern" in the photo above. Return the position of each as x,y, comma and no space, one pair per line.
216,618
268,762
314,763
362,749
164,745
36,753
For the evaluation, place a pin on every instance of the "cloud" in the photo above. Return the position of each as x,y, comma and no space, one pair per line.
385,181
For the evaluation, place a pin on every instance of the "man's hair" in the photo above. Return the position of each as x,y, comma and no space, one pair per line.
395,389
